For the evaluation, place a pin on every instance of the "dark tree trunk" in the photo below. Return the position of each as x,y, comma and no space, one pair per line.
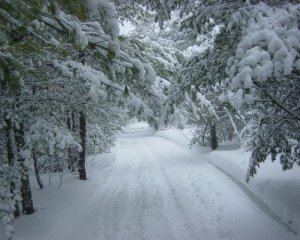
69,150
10,157
213,136
36,170
69,122
82,132
27,203
230,136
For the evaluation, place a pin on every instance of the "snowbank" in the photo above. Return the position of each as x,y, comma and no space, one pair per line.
278,189
179,137
275,189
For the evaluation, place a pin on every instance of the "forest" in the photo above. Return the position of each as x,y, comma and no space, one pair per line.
74,73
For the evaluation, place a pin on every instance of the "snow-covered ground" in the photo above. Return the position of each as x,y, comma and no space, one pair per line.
275,191
152,186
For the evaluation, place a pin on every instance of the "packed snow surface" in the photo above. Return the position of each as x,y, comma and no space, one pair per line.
149,188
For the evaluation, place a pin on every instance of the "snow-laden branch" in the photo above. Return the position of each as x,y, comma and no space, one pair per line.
276,102
233,124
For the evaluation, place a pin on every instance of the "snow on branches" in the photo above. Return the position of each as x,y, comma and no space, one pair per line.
269,47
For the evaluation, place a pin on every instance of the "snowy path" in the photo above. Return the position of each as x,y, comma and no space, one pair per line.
159,190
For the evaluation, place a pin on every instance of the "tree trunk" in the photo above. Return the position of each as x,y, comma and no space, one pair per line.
213,136
27,203
82,132
36,170
73,122
10,157
69,150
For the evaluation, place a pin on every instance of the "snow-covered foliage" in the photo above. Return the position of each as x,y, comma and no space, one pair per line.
102,132
160,62
265,66
268,49
48,139
8,197
107,14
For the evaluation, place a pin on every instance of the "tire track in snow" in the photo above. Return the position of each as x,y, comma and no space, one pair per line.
175,204
194,232
121,206
156,225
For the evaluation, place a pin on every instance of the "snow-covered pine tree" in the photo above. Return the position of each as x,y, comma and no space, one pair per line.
15,46
264,72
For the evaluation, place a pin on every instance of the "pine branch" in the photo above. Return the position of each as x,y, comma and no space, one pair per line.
279,104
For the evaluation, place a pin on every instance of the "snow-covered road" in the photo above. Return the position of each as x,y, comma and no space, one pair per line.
159,190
